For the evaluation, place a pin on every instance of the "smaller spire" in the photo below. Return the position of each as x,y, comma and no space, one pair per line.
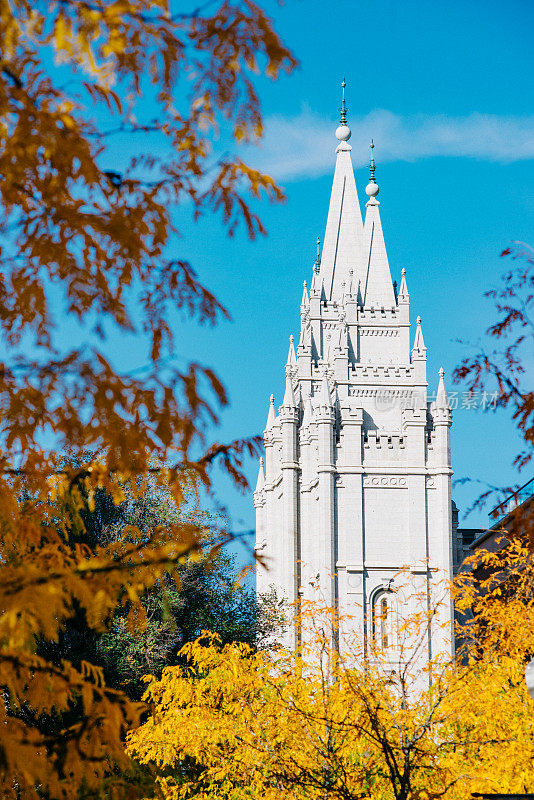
291,359
261,477
289,395
308,412
442,399
419,343
403,290
305,299
271,416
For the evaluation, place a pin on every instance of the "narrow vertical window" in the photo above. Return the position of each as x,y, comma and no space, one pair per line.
384,623
383,619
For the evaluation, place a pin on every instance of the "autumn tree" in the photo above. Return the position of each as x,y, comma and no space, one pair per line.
355,722
96,241
203,592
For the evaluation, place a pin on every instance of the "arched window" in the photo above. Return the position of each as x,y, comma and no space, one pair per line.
383,619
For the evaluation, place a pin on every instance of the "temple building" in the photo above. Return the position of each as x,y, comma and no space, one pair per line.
356,483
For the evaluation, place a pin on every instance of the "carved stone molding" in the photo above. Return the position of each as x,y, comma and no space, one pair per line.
384,482
392,332
358,391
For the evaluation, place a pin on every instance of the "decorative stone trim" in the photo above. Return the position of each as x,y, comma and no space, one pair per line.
384,481
357,391
392,332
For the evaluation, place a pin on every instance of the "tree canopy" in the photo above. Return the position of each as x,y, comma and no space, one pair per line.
99,245
358,723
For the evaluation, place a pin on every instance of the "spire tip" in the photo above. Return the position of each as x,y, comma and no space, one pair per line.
343,131
372,187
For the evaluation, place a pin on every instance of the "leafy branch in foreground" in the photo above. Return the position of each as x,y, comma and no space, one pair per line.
89,232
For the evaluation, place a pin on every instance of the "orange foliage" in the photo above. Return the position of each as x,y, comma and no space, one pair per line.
98,240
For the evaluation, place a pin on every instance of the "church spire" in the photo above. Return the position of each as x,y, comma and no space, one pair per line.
291,359
442,399
403,296
418,342
344,227
261,477
305,299
378,288
289,395
271,416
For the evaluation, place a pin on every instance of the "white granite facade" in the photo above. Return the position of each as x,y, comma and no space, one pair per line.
357,477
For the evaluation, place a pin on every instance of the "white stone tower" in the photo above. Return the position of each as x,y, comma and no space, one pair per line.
357,478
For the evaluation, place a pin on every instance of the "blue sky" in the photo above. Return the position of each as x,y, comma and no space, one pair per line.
446,91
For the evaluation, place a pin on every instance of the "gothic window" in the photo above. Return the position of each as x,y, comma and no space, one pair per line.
383,619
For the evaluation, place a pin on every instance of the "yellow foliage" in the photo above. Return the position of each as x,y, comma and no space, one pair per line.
321,723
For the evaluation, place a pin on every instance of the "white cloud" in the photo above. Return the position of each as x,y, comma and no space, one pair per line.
304,144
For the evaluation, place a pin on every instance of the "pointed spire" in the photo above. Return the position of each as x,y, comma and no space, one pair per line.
419,343
308,412
261,477
403,290
271,416
289,395
291,359
442,399
305,299
342,246
378,288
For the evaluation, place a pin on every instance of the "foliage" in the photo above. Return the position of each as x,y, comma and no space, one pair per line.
349,724
203,592
79,237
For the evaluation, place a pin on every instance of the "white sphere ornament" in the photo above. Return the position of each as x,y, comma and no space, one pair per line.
529,677
372,189
343,133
